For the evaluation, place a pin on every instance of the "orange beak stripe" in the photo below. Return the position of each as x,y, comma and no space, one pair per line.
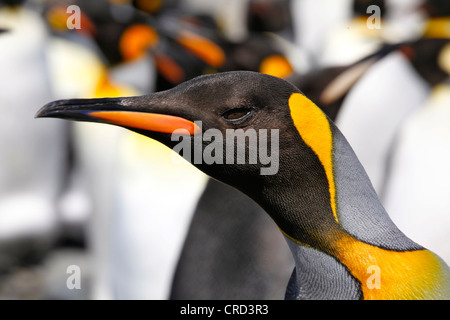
147,121
136,39
169,68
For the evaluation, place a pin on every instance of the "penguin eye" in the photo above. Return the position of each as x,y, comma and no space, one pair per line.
237,114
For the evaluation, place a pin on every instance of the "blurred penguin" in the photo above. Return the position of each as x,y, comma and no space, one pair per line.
376,107
417,188
32,170
314,21
357,37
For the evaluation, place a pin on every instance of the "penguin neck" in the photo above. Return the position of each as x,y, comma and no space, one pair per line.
306,211
357,236
327,197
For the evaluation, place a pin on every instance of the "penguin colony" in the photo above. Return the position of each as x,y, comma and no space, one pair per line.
341,77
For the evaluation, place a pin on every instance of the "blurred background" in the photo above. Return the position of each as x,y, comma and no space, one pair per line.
138,225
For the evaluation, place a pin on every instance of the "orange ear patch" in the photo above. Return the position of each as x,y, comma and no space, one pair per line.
202,47
169,68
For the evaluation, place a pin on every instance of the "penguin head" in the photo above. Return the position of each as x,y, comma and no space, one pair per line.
229,125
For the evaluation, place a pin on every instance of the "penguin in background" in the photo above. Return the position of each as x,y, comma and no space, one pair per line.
31,173
329,86
78,68
328,83
404,20
416,188
314,21
363,115
268,44
357,37
357,28
44,64
179,44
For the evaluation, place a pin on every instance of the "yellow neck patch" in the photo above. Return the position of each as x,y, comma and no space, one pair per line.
417,274
315,130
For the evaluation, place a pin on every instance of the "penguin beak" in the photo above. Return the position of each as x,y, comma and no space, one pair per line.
203,48
125,112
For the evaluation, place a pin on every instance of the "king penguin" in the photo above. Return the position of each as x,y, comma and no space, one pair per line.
343,242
